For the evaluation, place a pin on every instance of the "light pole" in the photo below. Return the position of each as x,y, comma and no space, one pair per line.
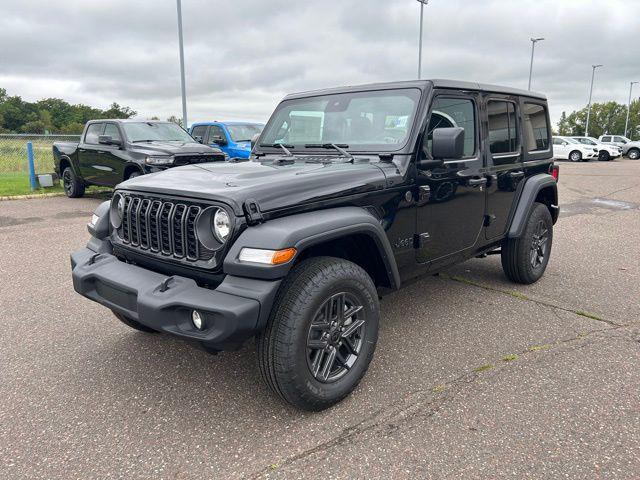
422,4
182,81
593,72
533,47
626,123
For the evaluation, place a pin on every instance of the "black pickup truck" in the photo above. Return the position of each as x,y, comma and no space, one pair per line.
350,193
111,151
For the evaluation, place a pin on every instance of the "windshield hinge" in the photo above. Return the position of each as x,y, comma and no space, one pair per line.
252,212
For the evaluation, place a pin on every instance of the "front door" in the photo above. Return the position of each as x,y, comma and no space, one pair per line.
109,161
504,165
451,202
88,152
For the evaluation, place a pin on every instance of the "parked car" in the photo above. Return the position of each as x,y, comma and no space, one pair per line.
111,151
233,138
630,148
348,196
606,152
569,149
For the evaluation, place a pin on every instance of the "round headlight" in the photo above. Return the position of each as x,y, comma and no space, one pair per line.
116,212
221,225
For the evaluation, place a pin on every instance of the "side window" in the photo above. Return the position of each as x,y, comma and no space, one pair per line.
535,127
199,131
606,139
619,140
454,112
94,130
216,131
557,141
503,131
112,130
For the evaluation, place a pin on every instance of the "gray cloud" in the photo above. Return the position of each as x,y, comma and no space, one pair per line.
243,56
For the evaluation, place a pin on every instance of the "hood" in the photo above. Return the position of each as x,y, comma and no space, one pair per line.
159,147
271,186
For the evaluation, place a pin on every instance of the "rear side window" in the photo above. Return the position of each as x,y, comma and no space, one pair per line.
619,139
454,112
503,131
606,139
94,130
535,127
199,131
112,130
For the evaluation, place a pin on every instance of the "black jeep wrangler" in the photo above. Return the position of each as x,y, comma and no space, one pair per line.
349,193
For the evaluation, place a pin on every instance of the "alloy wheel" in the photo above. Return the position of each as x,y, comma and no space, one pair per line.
335,337
539,244
67,182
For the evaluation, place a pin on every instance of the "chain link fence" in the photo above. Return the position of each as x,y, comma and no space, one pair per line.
13,152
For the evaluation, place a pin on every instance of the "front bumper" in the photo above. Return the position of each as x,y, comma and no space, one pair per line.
233,312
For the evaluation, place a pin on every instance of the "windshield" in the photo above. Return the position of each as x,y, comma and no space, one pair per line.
365,121
244,132
149,131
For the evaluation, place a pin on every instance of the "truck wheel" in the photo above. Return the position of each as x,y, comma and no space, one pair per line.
525,259
321,334
130,322
633,154
134,174
73,186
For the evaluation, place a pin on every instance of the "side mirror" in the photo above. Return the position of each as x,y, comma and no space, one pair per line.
109,140
448,143
219,140
254,140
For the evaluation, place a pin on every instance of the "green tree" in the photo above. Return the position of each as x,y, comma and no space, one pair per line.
608,117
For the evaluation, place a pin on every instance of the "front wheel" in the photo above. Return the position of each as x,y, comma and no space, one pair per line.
322,333
604,156
525,259
633,154
575,156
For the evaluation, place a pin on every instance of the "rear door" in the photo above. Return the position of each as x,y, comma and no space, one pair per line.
451,202
504,160
88,151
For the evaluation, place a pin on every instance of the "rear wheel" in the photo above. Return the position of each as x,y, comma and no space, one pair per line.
633,154
130,322
73,186
525,259
322,333
575,156
604,156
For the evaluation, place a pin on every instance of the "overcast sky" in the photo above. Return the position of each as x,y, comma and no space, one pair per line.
243,56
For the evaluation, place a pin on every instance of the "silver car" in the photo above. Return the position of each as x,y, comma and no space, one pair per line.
629,147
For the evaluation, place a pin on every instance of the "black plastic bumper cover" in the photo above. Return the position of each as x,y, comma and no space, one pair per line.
232,312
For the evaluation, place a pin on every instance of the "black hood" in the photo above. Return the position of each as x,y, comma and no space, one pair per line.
159,147
271,186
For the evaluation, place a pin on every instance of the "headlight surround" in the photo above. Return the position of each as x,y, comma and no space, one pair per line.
221,225
116,212
159,160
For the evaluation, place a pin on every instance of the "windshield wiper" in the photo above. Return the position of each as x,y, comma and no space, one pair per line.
285,148
140,141
339,148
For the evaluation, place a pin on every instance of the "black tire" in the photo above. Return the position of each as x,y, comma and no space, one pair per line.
130,322
575,156
633,154
73,186
294,344
518,254
134,174
604,156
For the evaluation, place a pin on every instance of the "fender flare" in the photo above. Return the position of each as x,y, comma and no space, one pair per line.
303,231
530,191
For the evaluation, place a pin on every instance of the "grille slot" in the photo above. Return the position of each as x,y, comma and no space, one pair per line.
165,228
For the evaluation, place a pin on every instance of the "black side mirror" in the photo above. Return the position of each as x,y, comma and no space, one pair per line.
109,140
219,140
254,140
448,143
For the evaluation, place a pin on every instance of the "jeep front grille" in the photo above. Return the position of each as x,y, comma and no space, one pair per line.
163,227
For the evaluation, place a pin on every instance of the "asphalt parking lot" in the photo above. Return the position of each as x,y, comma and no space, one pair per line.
473,377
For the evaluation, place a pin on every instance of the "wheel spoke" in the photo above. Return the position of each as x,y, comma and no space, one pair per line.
342,360
352,350
351,328
317,343
317,362
328,365
351,311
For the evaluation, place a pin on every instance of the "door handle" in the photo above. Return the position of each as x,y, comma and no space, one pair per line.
518,174
473,182
81,150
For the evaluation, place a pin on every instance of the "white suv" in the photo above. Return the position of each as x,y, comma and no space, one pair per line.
629,147
570,149
605,151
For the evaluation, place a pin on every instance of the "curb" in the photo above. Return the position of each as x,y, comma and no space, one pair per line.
44,195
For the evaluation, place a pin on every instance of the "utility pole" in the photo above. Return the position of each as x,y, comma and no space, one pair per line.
422,4
182,80
626,123
593,72
533,47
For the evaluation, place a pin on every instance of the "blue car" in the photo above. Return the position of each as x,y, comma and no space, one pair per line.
233,138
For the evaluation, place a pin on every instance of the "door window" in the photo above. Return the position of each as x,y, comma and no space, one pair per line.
112,130
503,131
557,141
619,140
216,131
606,139
454,112
536,127
94,130
199,131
